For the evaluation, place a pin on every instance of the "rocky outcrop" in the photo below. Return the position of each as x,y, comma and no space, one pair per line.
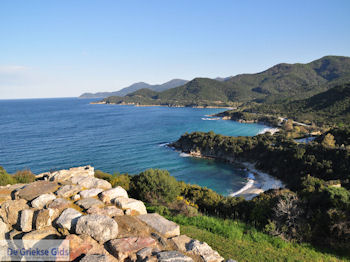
100,222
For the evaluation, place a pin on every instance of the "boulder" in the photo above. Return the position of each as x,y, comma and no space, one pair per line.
165,227
11,208
35,236
68,219
87,203
123,248
4,228
95,258
108,195
173,256
136,207
204,251
42,200
91,182
180,242
59,203
90,192
99,227
45,217
26,220
68,190
144,254
131,226
35,189
110,211
67,175
75,197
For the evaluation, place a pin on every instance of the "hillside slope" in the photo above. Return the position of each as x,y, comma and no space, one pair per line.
292,81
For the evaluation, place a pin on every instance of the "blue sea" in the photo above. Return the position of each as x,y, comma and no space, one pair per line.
50,134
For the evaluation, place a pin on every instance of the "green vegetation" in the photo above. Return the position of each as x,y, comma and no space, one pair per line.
155,186
233,239
24,176
116,179
280,82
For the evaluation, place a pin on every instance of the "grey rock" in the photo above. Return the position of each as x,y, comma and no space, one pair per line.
135,207
68,190
26,220
45,217
35,236
10,210
42,200
165,227
99,227
113,193
87,203
180,242
204,251
4,228
68,219
59,203
90,192
110,211
173,256
144,253
67,175
35,189
95,258
91,182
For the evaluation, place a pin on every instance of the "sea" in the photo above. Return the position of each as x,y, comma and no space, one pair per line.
50,134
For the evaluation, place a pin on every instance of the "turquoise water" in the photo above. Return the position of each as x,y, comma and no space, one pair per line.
48,134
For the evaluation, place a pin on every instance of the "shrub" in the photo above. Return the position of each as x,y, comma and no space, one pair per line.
24,176
5,178
115,179
154,185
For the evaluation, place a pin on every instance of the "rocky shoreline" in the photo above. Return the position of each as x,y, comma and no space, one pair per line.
101,223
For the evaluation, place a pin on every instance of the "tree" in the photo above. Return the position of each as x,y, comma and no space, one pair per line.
328,141
155,185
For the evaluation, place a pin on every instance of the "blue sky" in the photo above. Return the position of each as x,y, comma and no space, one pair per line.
62,48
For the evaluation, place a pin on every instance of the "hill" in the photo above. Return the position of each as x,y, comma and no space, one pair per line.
137,86
329,107
292,81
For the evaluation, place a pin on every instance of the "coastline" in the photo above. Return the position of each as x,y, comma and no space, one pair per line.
138,105
257,181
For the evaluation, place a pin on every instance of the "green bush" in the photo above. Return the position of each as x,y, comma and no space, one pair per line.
5,178
115,179
154,185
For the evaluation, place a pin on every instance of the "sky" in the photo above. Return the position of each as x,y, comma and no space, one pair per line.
62,48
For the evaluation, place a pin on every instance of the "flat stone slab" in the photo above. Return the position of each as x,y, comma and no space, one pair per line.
135,207
87,203
165,227
68,190
35,189
6,191
59,203
131,226
110,211
124,247
68,174
99,227
68,219
37,235
173,256
91,182
45,217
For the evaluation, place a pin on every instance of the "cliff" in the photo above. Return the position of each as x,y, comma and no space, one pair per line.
101,223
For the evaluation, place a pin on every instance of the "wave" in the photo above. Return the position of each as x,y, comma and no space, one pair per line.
163,144
209,118
249,184
268,129
184,155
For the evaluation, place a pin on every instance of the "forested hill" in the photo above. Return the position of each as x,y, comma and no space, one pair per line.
329,107
293,81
